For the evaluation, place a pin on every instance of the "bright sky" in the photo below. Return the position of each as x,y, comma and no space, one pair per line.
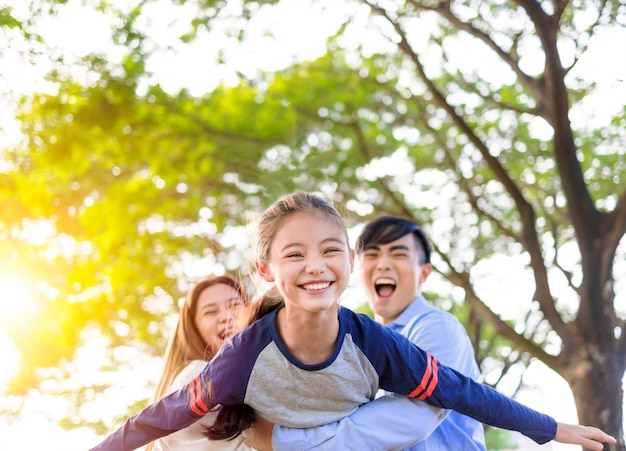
299,32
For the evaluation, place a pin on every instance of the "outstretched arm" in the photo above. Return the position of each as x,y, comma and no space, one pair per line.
424,378
586,436
391,422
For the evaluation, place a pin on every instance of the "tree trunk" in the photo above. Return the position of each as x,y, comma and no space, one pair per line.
598,395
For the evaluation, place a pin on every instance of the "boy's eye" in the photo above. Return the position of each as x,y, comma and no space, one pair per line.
331,249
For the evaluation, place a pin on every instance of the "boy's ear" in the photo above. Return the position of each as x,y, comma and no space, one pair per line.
425,271
264,270
352,253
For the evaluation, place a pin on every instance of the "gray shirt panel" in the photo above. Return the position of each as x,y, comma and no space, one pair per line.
349,381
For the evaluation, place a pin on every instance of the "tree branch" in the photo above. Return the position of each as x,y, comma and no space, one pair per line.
445,10
527,214
523,344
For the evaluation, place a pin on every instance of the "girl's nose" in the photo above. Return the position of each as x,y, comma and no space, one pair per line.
315,264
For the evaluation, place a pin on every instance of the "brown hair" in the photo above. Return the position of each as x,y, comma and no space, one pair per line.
186,344
298,202
385,229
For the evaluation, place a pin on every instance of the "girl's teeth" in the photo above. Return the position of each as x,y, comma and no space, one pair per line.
316,286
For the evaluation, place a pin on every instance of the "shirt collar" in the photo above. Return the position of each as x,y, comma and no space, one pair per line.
415,308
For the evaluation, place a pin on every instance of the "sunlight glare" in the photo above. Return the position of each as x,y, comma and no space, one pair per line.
16,297
10,357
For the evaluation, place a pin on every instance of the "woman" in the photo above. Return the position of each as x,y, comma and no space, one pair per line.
207,318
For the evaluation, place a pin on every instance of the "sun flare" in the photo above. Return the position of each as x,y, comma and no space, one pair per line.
16,297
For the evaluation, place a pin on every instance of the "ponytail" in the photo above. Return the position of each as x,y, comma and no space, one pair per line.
232,420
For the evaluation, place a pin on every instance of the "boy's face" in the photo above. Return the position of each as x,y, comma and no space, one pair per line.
310,261
392,276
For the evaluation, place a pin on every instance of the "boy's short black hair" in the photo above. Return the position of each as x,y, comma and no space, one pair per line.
386,229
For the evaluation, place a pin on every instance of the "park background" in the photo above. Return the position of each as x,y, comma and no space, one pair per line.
140,141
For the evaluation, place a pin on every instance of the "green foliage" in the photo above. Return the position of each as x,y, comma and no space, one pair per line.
496,439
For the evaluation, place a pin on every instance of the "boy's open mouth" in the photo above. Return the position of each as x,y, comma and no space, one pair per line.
385,286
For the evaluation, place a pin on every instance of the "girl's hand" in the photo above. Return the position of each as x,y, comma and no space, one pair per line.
259,435
587,436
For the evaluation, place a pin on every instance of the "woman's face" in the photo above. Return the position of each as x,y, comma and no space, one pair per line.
217,310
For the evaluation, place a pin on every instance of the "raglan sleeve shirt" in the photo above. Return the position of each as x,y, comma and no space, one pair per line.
380,356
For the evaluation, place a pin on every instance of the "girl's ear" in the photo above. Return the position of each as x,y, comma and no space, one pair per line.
264,270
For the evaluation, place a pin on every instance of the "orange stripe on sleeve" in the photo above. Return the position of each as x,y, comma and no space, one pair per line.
419,390
433,382
201,405
195,401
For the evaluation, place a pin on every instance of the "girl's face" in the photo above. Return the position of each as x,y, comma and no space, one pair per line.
310,261
218,308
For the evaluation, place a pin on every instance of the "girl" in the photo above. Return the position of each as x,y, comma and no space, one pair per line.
313,362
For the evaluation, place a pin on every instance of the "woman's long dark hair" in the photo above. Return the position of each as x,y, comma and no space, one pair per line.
232,420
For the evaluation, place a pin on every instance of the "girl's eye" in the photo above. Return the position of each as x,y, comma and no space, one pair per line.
332,249
294,255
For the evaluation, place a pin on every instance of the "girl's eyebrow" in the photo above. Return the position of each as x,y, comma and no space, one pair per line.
325,241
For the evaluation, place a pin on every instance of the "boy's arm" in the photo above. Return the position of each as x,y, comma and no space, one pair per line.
387,423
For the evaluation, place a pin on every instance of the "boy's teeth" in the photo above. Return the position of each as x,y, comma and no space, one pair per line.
316,286
385,281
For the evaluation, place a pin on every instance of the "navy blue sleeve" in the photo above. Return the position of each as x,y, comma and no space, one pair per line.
408,370
169,414
222,381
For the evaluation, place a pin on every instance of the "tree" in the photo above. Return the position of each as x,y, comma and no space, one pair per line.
504,160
